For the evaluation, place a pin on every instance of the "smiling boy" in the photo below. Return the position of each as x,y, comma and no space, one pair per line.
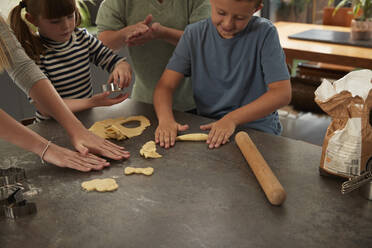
238,70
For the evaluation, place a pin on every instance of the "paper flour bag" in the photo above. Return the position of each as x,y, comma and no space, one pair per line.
347,146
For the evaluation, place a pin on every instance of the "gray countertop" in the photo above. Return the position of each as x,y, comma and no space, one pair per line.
196,197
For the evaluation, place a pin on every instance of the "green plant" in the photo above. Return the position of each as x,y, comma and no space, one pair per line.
364,5
84,12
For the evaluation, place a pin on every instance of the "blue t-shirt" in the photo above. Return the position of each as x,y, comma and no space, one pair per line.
227,74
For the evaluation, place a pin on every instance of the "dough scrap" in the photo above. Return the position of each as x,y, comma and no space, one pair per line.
192,137
100,185
131,132
148,150
146,171
113,129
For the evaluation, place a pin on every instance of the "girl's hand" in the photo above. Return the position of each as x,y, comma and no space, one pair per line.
220,132
121,75
63,157
85,141
166,132
103,99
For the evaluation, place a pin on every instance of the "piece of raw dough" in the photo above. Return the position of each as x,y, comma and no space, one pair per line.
131,132
100,185
113,129
148,150
192,137
146,171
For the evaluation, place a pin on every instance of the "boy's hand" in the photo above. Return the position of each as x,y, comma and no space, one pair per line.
220,132
121,75
103,99
166,133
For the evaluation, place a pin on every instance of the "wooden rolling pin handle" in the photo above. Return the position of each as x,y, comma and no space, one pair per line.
274,191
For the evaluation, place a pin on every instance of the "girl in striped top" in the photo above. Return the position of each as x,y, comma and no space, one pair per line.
64,53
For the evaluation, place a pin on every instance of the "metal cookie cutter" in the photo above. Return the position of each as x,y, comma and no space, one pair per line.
111,87
17,206
11,175
12,202
364,182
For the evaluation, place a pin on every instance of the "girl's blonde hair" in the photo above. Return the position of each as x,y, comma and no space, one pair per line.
49,9
5,59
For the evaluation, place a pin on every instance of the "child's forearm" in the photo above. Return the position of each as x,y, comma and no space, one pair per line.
77,105
163,104
279,95
17,134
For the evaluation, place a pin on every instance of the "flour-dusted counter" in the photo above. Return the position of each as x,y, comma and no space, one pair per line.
196,197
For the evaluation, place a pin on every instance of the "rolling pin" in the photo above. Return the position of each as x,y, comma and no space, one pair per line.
274,191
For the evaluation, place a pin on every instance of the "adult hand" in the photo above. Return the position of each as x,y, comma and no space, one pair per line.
121,75
220,132
152,34
166,132
63,157
103,99
138,29
85,141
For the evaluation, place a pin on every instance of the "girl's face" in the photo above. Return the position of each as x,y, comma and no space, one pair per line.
59,29
230,16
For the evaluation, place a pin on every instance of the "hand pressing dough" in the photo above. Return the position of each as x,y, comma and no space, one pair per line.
148,150
192,137
113,129
100,185
146,171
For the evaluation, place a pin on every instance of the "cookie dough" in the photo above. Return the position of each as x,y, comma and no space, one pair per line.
192,137
146,171
113,129
100,185
148,150
131,132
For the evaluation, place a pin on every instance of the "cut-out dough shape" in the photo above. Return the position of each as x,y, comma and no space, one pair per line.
100,185
131,132
192,137
113,129
148,150
146,171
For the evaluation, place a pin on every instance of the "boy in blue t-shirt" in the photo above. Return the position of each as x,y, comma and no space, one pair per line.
238,71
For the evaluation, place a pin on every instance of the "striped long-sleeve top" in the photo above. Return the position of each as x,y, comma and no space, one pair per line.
67,64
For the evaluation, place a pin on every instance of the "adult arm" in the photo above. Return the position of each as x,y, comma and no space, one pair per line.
139,34
17,134
44,94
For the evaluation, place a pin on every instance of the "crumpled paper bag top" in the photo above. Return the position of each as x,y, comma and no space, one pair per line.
346,97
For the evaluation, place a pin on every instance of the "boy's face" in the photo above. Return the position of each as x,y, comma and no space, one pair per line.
59,29
230,16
